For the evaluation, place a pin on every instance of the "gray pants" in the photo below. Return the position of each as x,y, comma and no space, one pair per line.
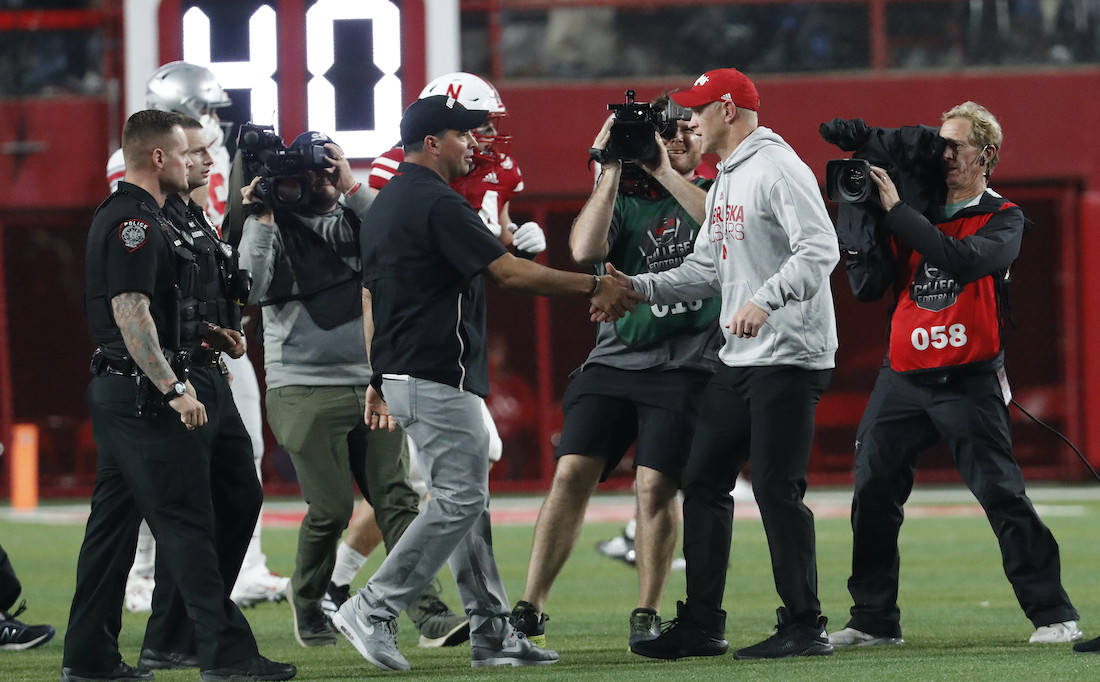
453,527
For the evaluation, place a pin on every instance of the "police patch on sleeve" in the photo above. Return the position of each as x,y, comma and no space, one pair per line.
133,233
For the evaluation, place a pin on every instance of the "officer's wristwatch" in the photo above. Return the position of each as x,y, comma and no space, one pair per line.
179,388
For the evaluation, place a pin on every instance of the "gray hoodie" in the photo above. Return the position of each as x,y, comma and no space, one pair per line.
296,351
768,240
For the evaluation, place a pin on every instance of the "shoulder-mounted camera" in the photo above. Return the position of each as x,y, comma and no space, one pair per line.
635,122
283,179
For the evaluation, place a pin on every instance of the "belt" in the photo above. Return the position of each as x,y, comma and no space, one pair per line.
102,364
206,357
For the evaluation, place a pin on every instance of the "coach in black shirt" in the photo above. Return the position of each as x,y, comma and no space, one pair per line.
424,253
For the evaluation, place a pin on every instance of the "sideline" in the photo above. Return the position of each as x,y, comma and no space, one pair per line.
1051,500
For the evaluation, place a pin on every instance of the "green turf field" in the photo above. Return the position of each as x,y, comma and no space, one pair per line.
960,618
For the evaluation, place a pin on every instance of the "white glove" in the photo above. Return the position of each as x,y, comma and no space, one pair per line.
529,237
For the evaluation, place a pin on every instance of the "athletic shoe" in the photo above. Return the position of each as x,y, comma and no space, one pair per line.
374,638
681,637
155,659
514,650
335,596
1057,633
439,626
617,547
645,625
122,672
525,619
1092,646
258,668
16,636
853,637
791,638
139,593
256,585
311,628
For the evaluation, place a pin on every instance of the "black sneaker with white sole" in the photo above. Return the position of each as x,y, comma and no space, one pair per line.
16,635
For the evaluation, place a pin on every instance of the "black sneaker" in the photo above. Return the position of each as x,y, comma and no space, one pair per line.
1091,646
258,668
154,659
528,621
790,639
16,636
335,596
645,625
122,672
311,626
681,637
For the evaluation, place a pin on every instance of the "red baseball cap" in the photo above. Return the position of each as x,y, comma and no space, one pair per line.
726,85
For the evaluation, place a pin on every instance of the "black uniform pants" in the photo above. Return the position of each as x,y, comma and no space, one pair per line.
9,583
764,417
152,467
903,417
237,496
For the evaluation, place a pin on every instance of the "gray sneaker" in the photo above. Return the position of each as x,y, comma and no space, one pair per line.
374,638
439,626
311,628
514,650
645,625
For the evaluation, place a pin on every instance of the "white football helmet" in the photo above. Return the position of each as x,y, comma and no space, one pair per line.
188,89
474,92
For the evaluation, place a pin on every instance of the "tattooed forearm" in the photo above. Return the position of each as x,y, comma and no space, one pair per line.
139,333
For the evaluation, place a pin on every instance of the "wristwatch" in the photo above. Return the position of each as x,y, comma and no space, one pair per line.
179,388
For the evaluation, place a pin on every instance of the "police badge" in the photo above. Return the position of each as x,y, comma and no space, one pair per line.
133,233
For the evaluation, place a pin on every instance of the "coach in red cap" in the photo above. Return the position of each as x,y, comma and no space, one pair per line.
767,247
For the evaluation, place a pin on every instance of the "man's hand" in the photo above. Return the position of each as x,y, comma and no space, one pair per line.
248,194
229,341
192,412
662,164
602,139
377,415
747,321
339,170
529,237
614,297
887,195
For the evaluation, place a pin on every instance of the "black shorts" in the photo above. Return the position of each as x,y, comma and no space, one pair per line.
607,409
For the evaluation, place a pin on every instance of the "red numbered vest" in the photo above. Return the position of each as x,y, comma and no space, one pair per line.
939,321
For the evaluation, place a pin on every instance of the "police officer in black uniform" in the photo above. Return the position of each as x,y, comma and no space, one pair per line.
157,455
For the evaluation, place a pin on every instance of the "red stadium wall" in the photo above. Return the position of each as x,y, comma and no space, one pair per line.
1050,165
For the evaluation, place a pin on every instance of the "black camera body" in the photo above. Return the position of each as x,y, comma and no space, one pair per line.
849,180
284,182
635,122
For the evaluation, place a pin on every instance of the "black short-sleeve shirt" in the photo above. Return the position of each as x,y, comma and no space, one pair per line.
424,249
127,251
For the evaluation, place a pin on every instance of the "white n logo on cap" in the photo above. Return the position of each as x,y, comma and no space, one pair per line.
702,80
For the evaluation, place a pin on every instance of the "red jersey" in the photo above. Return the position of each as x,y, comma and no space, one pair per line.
488,188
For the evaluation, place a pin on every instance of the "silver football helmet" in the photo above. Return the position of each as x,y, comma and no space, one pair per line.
188,89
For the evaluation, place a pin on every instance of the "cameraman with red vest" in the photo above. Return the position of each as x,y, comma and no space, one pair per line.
944,379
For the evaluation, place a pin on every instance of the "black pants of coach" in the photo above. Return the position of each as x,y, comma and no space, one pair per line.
968,412
199,493
763,417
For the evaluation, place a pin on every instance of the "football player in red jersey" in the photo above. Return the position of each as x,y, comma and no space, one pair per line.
489,187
